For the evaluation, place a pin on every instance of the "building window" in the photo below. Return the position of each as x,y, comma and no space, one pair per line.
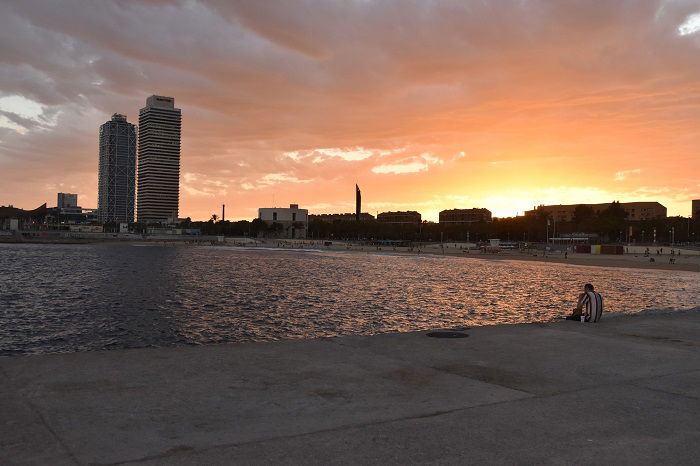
274,216
294,216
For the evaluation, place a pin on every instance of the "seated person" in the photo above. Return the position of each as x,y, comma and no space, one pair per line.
589,301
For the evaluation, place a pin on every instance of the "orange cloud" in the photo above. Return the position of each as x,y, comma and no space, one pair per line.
427,106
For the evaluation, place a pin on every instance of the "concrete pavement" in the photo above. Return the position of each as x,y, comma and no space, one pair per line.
625,391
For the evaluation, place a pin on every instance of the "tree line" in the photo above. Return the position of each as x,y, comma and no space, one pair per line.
611,225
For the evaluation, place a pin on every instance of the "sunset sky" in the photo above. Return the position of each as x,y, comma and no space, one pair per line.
427,105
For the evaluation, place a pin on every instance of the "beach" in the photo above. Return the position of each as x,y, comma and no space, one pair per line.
688,260
638,261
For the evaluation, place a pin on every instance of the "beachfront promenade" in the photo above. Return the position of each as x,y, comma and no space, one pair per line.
625,391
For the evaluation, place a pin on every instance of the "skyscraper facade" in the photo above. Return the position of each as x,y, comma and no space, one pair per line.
159,160
117,171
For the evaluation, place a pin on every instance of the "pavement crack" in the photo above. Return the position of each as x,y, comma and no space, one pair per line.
35,410
176,451
666,392
51,430
635,382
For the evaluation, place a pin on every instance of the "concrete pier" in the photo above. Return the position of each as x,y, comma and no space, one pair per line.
625,391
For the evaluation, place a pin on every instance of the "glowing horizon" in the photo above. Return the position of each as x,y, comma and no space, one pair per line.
503,105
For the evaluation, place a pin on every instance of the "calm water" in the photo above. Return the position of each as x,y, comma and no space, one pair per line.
87,297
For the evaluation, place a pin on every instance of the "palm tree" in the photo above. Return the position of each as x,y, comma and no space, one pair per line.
214,218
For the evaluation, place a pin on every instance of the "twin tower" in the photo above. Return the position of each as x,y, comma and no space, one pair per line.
156,190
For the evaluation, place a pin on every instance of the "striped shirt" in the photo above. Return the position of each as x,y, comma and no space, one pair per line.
594,305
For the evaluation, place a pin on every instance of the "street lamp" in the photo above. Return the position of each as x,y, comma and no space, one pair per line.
673,234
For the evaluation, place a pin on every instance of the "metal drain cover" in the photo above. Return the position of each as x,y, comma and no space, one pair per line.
446,335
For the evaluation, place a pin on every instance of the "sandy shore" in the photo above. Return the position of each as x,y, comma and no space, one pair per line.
638,261
690,264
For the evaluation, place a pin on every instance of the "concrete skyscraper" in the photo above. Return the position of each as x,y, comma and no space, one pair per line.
159,160
117,171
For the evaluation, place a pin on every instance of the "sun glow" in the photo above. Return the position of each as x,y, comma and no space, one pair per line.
302,109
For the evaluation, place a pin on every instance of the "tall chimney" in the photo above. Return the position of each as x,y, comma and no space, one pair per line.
358,203
223,212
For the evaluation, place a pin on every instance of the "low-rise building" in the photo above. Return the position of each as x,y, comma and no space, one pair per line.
409,216
696,209
331,218
635,210
12,218
71,215
86,228
465,215
67,211
283,222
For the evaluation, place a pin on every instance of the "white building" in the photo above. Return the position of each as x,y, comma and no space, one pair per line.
158,185
291,222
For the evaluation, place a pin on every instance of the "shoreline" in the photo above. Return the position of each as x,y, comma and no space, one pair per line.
635,261
607,316
603,261
686,263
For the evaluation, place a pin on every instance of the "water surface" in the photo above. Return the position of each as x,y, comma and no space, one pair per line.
56,298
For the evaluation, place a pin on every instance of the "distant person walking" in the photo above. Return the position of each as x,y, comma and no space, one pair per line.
589,301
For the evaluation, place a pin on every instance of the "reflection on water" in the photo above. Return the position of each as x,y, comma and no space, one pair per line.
88,297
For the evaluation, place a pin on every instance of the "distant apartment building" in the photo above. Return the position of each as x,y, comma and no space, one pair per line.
332,218
695,212
409,216
159,161
465,215
67,211
635,210
66,200
283,222
116,183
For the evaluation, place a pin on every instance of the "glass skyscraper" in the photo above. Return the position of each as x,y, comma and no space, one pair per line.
117,170
159,160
